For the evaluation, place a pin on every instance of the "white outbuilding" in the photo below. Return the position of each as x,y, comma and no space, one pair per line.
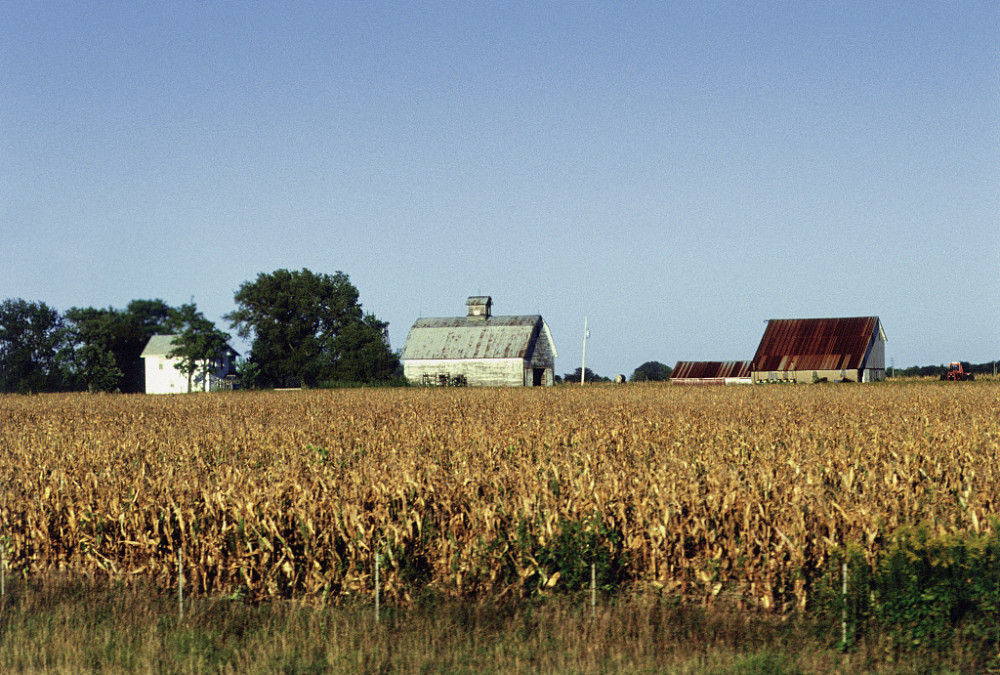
163,377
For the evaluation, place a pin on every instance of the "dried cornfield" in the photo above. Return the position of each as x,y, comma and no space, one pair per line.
742,491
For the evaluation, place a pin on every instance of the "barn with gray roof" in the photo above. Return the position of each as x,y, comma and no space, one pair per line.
480,350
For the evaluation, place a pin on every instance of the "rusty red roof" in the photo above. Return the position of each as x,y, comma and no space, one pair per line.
710,369
817,344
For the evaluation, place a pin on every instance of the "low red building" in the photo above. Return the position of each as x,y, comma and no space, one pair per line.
711,372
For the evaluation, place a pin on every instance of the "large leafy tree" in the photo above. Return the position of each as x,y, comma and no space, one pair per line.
93,334
199,344
651,371
363,353
95,369
32,348
108,343
308,328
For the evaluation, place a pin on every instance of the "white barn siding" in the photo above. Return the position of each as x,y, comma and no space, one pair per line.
873,368
477,372
543,358
163,378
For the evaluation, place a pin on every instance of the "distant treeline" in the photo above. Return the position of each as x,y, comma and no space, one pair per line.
304,328
935,371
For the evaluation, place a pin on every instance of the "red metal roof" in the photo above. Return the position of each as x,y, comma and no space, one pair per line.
709,369
816,344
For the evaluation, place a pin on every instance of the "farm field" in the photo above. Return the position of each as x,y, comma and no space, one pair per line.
739,493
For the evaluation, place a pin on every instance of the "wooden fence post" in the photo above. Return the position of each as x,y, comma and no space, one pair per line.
843,612
377,556
593,591
180,583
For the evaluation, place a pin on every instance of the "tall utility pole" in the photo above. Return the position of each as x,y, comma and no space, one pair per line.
583,367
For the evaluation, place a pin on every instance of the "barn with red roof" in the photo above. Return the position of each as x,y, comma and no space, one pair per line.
809,350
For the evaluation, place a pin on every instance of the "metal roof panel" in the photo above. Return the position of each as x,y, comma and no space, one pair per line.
159,345
496,337
710,369
816,344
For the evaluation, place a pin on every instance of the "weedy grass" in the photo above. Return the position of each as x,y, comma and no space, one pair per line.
62,625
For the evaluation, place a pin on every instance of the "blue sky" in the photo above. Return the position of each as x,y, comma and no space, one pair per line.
677,172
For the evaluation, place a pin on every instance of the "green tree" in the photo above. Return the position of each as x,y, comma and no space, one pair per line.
199,345
93,334
32,348
651,371
108,343
363,353
589,376
247,373
307,328
95,369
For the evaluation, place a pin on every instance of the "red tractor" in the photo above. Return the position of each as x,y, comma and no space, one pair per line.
958,371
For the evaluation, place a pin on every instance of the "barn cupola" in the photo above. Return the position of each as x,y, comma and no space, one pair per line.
480,306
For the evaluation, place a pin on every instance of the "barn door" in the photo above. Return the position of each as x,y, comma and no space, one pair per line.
537,377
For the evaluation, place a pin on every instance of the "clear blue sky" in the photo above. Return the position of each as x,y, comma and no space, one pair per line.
678,172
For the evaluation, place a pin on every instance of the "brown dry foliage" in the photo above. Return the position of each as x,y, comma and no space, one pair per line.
741,491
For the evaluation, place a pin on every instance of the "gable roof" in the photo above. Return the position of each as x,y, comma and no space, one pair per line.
710,369
159,345
162,345
817,344
496,337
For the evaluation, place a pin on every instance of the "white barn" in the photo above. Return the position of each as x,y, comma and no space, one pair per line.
480,350
163,377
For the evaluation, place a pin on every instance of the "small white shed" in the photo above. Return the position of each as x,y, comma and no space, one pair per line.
163,377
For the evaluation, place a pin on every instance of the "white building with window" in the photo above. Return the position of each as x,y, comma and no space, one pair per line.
163,377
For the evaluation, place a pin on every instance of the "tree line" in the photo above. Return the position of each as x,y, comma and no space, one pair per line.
305,329
654,371
650,371
935,371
